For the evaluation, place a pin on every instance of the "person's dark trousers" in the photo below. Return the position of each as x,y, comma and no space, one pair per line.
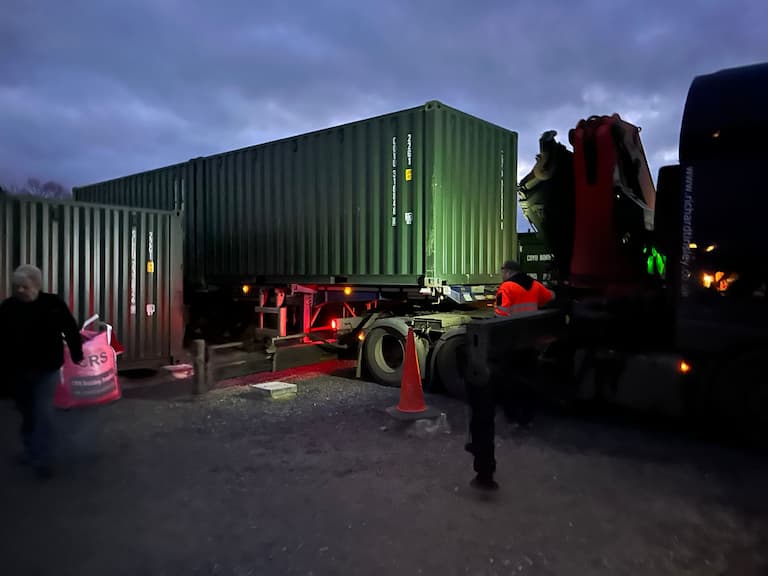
34,399
518,393
482,402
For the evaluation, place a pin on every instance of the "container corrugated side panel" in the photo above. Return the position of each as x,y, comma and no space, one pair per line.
95,257
335,203
158,189
6,236
471,197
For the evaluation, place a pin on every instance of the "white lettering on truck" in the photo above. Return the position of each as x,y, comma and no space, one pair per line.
686,258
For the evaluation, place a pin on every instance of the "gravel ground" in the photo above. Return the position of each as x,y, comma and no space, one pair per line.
327,483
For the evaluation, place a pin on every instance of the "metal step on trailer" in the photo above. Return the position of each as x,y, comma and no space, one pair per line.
232,360
298,350
217,362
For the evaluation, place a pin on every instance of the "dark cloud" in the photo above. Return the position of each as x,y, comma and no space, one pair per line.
94,90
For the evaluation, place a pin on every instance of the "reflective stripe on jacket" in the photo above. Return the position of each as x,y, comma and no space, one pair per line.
516,308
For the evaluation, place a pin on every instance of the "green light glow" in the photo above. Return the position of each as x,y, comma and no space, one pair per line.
656,262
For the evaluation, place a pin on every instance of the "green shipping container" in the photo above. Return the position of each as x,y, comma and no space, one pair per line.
424,196
535,258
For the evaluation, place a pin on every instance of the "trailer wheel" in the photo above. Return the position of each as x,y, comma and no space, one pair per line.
384,352
450,363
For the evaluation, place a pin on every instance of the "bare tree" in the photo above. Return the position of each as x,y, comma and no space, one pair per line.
35,187
53,189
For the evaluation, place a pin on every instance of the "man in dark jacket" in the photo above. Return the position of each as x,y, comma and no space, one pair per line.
33,327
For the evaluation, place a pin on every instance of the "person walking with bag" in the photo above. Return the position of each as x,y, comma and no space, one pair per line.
33,327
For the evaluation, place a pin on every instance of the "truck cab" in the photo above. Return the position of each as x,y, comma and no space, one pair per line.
671,270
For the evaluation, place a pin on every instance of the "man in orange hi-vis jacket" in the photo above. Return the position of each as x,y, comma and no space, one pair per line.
517,294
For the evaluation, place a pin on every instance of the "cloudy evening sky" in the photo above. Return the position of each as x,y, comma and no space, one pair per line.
95,90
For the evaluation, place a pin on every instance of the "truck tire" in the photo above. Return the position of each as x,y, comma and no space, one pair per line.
384,351
449,363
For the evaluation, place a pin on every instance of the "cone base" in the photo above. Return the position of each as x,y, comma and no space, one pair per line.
425,414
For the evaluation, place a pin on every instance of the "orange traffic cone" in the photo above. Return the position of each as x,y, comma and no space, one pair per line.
412,405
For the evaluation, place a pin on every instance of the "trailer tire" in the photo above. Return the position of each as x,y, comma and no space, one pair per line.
450,364
384,351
